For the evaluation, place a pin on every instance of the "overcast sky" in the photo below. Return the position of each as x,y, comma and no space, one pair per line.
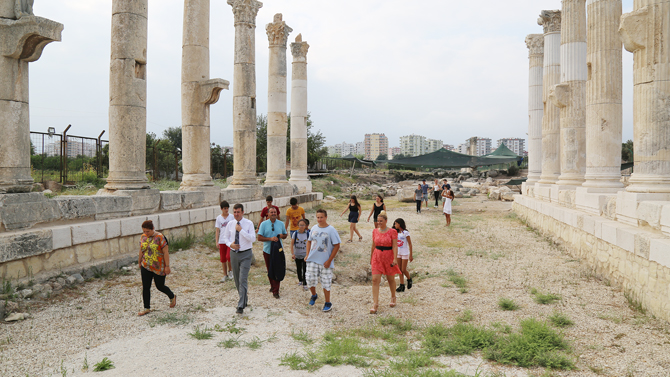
445,69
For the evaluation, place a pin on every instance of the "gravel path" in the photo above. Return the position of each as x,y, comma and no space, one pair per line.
495,252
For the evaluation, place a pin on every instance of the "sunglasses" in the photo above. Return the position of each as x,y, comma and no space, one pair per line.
273,227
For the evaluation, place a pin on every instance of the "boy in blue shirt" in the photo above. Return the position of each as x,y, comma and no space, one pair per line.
269,231
322,247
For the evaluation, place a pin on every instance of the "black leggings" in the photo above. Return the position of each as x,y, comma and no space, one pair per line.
437,196
418,205
147,276
301,268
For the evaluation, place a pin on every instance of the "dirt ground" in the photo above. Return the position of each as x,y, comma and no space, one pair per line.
486,244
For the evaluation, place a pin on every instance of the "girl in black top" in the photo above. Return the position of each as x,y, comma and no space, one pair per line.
377,207
354,215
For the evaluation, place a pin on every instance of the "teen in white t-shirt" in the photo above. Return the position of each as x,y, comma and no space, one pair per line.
224,251
404,253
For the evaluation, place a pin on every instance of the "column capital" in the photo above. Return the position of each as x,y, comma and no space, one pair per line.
278,31
245,11
299,48
550,20
535,43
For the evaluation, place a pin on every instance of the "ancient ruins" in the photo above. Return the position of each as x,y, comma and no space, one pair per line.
580,196
39,235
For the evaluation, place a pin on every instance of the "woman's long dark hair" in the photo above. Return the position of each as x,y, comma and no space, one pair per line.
380,197
353,197
400,222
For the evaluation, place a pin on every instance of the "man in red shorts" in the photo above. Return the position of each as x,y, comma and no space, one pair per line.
221,221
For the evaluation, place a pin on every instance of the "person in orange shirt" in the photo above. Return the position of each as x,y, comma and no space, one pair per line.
293,215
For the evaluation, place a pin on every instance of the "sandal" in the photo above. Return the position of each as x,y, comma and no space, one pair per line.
173,302
373,310
349,241
144,312
392,304
360,239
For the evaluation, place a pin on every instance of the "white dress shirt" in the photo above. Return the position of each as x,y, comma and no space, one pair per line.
247,234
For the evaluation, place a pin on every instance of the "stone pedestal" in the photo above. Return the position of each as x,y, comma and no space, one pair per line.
570,95
22,40
646,33
144,202
542,191
244,93
603,97
299,175
128,96
277,33
551,166
535,44
198,92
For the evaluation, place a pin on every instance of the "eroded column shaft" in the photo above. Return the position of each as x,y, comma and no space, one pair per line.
535,43
299,175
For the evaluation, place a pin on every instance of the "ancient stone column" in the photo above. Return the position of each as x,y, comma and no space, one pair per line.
244,93
551,166
570,94
535,43
22,40
277,33
603,96
646,33
299,175
198,92
128,96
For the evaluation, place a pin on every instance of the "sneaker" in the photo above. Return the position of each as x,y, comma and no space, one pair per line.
239,311
312,300
223,280
401,287
230,275
409,283
305,288
300,283
327,307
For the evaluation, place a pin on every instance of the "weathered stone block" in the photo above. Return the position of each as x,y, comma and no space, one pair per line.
213,212
24,210
113,228
114,248
154,219
659,251
109,206
19,246
185,217
76,207
196,199
83,252
171,200
83,233
15,270
62,236
59,259
100,250
34,265
198,215
132,225
169,220
625,238
144,202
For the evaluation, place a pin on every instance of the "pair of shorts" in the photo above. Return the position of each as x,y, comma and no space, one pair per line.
403,256
353,217
224,252
315,272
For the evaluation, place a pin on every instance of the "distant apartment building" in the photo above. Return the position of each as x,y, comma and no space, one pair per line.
375,144
462,148
449,147
517,146
416,145
393,151
360,148
341,150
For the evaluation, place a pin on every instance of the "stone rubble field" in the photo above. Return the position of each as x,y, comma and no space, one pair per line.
495,255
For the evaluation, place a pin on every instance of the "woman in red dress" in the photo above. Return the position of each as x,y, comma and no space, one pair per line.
383,259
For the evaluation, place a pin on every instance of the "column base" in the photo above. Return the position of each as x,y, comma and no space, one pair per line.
637,209
212,193
596,200
276,182
649,184
563,195
304,185
127,184
144,201
542,192
16,186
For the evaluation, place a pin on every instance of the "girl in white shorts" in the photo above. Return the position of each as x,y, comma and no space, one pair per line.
404,253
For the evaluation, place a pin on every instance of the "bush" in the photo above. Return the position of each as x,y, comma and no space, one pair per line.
508,304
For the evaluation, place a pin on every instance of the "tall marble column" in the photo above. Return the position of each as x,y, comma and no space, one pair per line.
646,33
244,93
551,165
535,44
277,33
23,37
570,94
198,92
128,96
603,96
299,175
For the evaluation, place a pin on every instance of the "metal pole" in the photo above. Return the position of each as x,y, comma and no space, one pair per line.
99,153
155,174
43,156
176,165
63,154
225,164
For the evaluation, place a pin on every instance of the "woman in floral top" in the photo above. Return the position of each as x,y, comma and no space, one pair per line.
154,261
383,259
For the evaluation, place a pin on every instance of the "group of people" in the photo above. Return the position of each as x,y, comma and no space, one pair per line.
313,250
443,191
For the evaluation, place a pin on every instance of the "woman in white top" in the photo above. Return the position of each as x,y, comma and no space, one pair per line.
437,191
404,253
448,196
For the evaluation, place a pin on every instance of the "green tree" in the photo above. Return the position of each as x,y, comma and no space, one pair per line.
173,134
382,157
627,151
261,143
162,152
398,156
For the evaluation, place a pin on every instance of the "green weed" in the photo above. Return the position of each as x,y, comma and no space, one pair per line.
465,317
254,344
508,304
183,243
105,364
544,298
229,343
201,334
170,319
230,327
302,337
560,320
634,304
461,339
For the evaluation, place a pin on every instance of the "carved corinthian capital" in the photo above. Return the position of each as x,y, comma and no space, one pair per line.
550,20
245,11
299,48
278,31
535,43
